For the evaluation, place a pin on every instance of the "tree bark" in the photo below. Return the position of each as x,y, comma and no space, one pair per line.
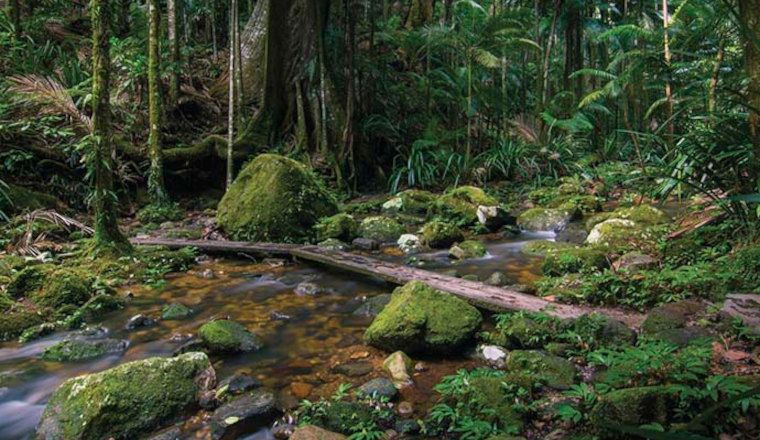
668,59
750,15
232,93
573,46
107,234
174,68
420,12
156,188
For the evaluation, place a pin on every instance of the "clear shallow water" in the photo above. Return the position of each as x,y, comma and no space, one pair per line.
319,332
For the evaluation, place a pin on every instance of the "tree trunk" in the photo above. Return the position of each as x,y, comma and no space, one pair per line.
548,53
107,234
174,68
14,13
122,23
156,188
668,59
750,15
232,94
573,46
420,12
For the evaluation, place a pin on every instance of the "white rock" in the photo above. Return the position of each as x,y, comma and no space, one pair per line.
409,243
494,355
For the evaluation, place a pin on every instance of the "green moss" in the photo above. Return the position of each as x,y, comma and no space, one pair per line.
620,236
27,281
411,201
13,323
160,213
460,205
554,371
438,234
224,336
489,393
542,247
584,204
123,402
65,287
72,350
542,219
422,319
633,407
573,260
339,226
6,302
382,229
344,417
468,249
274,199
645,215
522,330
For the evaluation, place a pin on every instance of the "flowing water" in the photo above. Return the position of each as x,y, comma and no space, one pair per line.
304,336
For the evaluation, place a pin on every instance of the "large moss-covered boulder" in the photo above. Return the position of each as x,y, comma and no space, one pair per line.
422,319
620,235
274,199
411,201
381,229
633,407
544,219
26,281
225,336
127,401
468,249
64,287
14,322
645,215
460,205
438,234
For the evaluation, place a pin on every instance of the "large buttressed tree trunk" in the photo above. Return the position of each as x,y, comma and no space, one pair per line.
750,15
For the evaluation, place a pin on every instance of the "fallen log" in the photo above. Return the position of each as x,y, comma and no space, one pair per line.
485,296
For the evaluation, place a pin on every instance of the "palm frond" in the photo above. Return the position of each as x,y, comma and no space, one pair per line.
50,95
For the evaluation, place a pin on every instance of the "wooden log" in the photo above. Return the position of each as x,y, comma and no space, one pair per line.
482,295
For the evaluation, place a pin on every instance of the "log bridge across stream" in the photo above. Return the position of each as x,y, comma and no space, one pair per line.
480,294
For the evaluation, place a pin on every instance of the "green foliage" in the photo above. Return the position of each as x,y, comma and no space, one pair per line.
160,213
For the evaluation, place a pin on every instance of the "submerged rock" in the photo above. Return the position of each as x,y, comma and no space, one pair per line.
422,319
243,415
498,279
236,384
139,321
175,312
353,369
439,235
374,305
309,288
127,401
274,199
381,229
79,349
224,336
543,219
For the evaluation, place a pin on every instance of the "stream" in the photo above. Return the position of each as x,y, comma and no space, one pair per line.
304,336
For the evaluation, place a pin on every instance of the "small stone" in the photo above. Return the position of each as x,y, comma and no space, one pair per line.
405,409
139,321
78,349
421,367
633,262
283,431
312,432
498,279
359,355
409,243
735,356
301,390
333,244
353,369
175,311
380,387
397,365
494,217
279,316
237,384
206,274
308,288
493,355
236,418
374,305
365,244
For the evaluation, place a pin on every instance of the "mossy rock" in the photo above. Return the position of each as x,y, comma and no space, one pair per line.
543,219
556,372
468,249
13,323
274,199
175,312
489,392
125,402
620,236
65,287
411,201
381,229
439,235
78,349
644,215
225,336
522,331
584,204
573,260
339,226
633,407
422,319
460,205
27,281
670,316
542,247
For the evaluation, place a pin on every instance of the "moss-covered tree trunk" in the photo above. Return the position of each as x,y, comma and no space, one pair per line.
156,188
171,24
107,234
750,14
420,12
